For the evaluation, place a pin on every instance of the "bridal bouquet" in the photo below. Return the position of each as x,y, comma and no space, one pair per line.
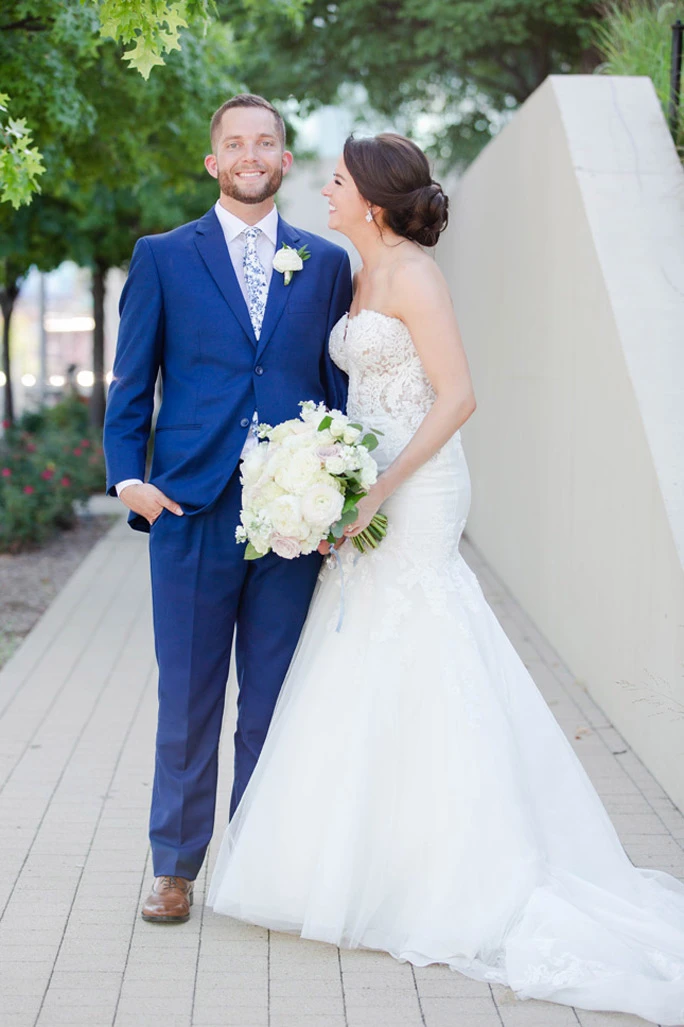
301,485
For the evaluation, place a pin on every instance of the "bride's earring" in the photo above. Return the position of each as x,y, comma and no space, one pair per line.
369,215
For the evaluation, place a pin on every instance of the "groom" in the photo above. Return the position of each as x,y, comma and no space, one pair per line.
205,307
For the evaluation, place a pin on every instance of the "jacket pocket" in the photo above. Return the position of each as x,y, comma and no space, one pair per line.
307,308
178,427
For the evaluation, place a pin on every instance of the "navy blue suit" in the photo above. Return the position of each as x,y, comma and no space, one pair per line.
183,314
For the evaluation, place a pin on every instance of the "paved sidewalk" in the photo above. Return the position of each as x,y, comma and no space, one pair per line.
77,715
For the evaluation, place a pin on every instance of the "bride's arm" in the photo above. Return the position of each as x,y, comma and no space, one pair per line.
421,299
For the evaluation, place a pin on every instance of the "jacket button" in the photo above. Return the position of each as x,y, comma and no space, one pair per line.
244,423
258,369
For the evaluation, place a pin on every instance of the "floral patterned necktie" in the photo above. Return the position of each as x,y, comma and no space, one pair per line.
255,279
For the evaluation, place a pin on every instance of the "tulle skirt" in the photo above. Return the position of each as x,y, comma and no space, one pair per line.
416,795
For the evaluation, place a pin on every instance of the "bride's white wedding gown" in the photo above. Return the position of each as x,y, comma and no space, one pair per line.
415,793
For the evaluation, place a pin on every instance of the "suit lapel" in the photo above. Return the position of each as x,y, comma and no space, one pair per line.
278,292
211,243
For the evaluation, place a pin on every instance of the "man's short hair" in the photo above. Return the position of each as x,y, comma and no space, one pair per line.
247,100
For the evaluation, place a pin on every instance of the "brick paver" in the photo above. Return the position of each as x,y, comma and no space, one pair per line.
77,714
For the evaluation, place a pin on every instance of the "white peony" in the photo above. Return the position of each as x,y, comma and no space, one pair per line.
286,517
261,495
297,471
322,505
285,430
287,260
253,464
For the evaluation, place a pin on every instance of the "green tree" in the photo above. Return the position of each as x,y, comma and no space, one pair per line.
463,61
141,171
137,169
20,163
45,45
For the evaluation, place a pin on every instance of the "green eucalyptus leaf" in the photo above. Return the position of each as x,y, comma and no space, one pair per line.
251,553
347,518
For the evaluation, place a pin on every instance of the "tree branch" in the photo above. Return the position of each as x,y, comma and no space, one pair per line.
28,25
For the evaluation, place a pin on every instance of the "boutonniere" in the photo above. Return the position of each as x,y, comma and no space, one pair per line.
288,260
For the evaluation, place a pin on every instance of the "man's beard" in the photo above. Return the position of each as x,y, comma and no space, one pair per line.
270,186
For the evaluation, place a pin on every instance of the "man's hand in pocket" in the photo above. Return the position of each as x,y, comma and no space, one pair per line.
148,501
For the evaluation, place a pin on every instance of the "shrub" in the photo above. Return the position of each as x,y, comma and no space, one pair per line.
635,38
50,460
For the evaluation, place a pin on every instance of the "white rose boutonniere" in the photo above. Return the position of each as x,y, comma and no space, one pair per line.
288,260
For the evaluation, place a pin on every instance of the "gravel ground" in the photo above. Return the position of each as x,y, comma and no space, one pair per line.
30,581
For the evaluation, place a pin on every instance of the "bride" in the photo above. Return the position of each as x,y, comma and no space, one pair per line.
415,794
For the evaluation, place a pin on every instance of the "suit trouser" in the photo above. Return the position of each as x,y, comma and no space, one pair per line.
203,591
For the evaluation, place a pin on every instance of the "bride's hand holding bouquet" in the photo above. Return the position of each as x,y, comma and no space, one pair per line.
306,483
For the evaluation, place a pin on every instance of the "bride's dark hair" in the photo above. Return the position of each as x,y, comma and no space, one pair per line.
393,173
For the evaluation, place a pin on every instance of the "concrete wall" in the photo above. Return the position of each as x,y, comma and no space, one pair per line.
566,261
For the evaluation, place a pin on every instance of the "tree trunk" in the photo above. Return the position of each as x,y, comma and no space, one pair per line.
97,398
8,297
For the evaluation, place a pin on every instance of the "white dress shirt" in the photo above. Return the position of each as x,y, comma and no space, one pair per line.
233,227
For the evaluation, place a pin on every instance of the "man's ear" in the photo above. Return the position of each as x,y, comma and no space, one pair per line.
288,160
211,165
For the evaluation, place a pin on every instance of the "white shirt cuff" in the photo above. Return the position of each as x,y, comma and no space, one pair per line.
124,484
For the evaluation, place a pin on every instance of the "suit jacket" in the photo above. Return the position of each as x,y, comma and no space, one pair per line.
183,313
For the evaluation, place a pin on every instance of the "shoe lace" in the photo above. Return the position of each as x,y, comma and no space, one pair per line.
169,882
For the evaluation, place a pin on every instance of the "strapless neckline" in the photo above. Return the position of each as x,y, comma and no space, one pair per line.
369,310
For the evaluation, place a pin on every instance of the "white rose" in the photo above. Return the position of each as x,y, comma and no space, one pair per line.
287,260
335,464
324,438
350,435
298,471
288,548
338,427
286,517
322,505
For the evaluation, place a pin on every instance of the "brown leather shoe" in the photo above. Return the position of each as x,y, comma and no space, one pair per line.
169,901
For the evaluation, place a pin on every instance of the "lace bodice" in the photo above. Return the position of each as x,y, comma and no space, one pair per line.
388,388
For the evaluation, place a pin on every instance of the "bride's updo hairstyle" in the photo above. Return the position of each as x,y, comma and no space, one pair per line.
393,173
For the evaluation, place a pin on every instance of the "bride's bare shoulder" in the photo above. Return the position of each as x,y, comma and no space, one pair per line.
416,276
